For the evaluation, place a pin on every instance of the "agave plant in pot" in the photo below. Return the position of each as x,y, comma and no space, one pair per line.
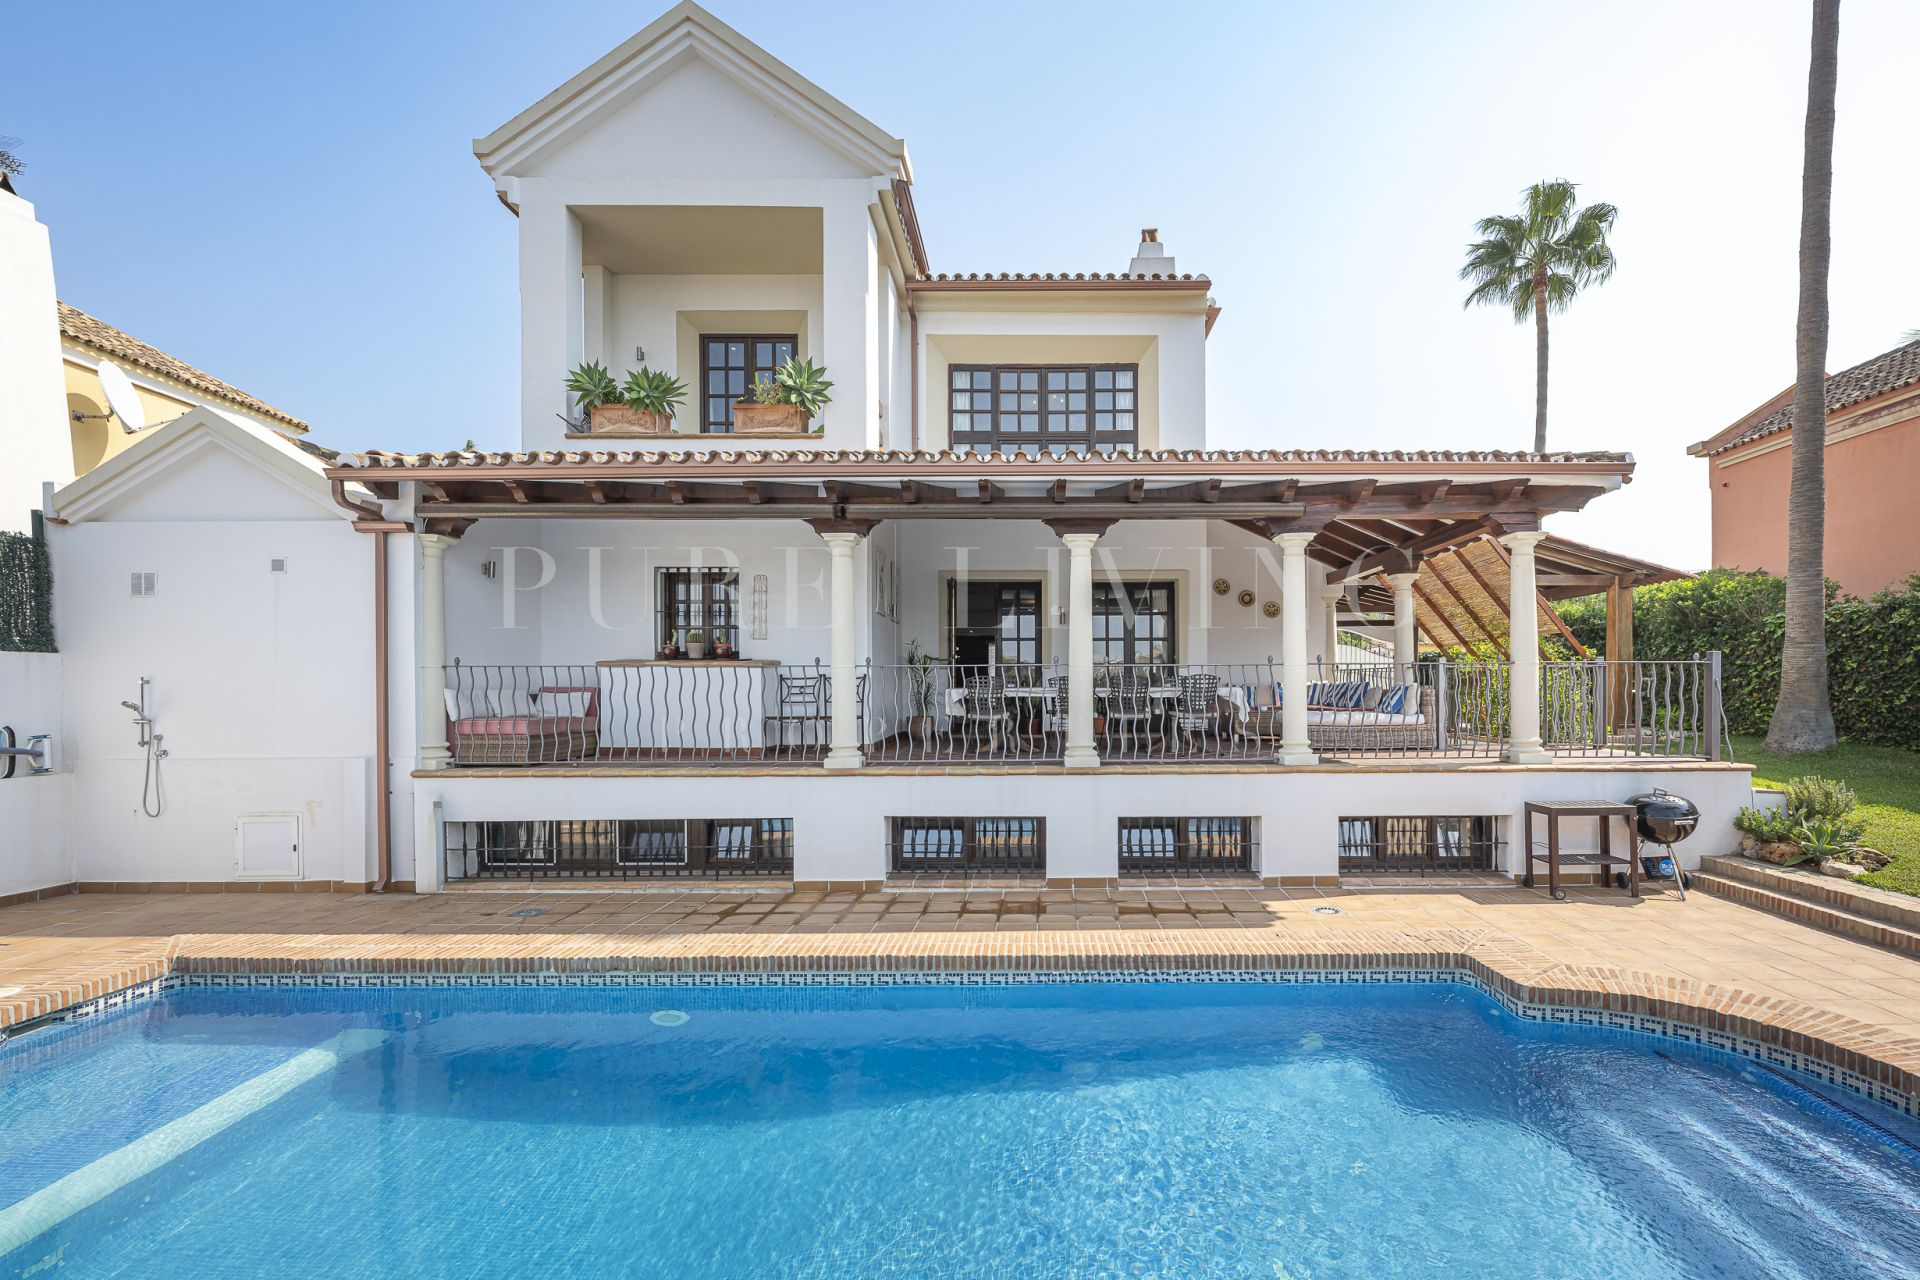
782,404
652,396
920,676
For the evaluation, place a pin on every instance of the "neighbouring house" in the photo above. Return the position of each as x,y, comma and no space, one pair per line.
1873,467
55,419
167,388
998,608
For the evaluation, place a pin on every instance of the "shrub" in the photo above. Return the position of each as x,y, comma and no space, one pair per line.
1768,826
1873,647
1817,797
767,391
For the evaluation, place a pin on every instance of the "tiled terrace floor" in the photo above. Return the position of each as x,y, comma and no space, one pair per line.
64,949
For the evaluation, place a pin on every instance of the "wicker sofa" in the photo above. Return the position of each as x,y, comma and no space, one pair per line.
1332,730
533,738
1337,731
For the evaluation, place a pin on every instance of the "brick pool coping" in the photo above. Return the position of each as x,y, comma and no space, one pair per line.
1874,1061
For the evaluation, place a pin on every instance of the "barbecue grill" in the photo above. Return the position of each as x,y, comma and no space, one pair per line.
1664,819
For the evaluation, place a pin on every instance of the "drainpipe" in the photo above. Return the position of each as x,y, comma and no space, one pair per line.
382,718
913,367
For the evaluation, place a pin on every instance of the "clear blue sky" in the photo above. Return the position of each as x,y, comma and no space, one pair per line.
286,196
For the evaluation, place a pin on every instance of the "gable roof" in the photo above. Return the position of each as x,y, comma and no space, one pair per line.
684,31
1887,372
90,331
294,462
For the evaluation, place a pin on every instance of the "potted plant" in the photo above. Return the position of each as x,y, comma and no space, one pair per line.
595,392
696,645
652,396
670,651
783,404
723,649
920,693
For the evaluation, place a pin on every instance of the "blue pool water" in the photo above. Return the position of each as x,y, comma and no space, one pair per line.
1176,1130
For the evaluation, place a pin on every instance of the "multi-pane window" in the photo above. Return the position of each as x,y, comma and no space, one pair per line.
703,600
1133,623
730,363
1027,408
1009,611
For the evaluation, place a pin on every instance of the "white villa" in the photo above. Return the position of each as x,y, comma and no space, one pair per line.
999,609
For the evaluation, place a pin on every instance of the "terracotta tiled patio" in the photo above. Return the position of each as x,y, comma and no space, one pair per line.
1705,953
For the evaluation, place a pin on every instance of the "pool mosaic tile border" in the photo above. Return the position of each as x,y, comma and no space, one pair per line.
1634,1022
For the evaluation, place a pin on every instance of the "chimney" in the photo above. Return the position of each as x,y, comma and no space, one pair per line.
1151,258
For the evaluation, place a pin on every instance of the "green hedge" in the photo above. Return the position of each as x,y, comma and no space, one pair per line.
1873,647
26,595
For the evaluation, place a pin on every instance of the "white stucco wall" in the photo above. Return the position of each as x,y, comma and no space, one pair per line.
840,821
262,682
34,849
35,434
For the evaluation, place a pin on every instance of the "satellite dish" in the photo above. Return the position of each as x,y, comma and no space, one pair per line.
121,398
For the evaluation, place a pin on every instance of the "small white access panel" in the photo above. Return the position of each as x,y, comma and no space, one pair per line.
267,846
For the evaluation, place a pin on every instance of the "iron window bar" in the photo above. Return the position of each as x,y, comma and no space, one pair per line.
619,848
1186,846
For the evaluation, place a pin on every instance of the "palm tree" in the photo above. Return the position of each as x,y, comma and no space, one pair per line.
1803,715
1536,263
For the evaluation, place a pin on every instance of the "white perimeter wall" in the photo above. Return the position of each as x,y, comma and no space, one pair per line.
840,821
36,438
262,687
34,852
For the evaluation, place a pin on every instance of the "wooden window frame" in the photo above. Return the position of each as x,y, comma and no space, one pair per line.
723,425
713,616
964,431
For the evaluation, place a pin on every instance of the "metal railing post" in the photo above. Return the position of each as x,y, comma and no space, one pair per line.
1440,718
1600,704
1711,715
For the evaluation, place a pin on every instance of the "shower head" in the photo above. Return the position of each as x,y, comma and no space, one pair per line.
131,706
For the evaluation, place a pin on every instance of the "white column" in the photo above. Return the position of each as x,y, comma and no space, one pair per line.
1080,753
848,343
433,651
1523,631
552,318
1405,649
844,752
1294,748
1330,597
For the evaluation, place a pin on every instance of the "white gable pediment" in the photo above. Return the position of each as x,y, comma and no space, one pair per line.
203,466
681,97
693,121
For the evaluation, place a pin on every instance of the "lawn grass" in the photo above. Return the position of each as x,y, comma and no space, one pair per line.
1887,781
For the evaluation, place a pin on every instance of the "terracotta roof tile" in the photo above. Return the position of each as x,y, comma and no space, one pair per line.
993,461
1890,371
80,327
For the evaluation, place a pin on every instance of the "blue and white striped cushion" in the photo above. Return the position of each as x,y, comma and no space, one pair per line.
1399,700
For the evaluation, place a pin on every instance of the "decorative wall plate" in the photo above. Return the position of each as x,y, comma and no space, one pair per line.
1221,586
1271,608
1246,599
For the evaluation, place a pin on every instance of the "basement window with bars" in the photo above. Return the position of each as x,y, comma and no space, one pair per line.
1424,844
619,848
967,844
1176,846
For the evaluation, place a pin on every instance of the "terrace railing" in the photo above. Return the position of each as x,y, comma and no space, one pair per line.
686,714
647,713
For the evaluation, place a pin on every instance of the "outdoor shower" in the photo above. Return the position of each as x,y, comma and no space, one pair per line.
151,797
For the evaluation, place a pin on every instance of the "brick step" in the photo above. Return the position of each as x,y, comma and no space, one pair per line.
1848,924
1810,886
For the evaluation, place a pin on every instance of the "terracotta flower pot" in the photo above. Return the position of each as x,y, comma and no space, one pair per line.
751,419
625,420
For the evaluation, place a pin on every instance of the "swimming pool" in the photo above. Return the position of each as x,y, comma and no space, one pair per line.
1053,1130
